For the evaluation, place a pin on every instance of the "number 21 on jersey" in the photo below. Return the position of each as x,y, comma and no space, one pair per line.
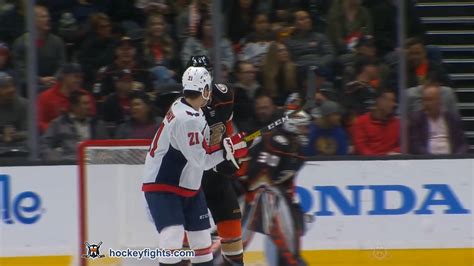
193,138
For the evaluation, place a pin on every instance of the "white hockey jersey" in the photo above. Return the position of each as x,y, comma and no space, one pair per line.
179,153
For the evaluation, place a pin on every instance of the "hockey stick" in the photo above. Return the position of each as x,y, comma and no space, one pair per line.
309,96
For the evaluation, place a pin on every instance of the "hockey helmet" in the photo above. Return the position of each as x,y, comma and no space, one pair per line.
196,79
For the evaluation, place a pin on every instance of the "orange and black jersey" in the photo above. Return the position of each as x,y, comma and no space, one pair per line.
275,160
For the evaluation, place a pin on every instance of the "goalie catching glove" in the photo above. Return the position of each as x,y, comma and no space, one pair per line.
235,148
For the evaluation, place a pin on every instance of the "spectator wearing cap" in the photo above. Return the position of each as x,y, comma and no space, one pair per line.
306,46
203,44
279,73
327,137
142,123
116,107
378,132
66,131
55,101
98,48
348,21
125,58
13,113
435,130
51,51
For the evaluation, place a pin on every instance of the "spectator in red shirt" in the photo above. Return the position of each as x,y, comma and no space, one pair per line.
55,101
378,132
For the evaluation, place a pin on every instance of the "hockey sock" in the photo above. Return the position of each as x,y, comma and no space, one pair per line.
230,232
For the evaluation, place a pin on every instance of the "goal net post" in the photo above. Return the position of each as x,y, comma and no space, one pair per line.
112,208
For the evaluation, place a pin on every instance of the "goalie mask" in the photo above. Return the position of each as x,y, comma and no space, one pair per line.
297,123
197,79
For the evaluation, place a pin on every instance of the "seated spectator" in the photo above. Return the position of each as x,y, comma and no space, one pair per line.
326,137
13,114
306,46
245,89
257,43
348,21
142,123
116,107
51,51
358,95
434,130
384,21
448,97
55,101
98,47
279,73
378,132
187,21
5,63
125,53
240,19
262,31
420,67
12,23
68,130
158,46
203,44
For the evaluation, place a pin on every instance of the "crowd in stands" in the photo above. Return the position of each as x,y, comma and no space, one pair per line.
111,68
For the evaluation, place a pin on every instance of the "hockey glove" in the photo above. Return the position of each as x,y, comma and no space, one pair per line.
234,148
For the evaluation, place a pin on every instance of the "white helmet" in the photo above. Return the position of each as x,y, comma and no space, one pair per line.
295,121
196,79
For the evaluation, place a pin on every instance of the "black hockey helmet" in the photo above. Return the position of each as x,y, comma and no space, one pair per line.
200,61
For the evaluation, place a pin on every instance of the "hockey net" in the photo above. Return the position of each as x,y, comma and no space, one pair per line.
111,205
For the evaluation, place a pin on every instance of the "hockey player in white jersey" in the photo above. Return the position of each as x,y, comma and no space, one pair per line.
174,168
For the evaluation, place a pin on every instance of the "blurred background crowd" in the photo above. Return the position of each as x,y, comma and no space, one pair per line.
109,69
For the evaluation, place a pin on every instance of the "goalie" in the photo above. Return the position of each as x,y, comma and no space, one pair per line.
270,205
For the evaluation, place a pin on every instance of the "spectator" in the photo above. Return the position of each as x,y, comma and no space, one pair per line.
158,46
55,101
13,114
448,97
66,131
419,66
434,130
241,18
125,53
12,23
142,123
245,90
203,43
326,137
384,21
262,31
279,73
265,112
98,47
5,63
257,43
306,46
116,107
348,21
378,132
51,51
83,10
358,95
187,21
